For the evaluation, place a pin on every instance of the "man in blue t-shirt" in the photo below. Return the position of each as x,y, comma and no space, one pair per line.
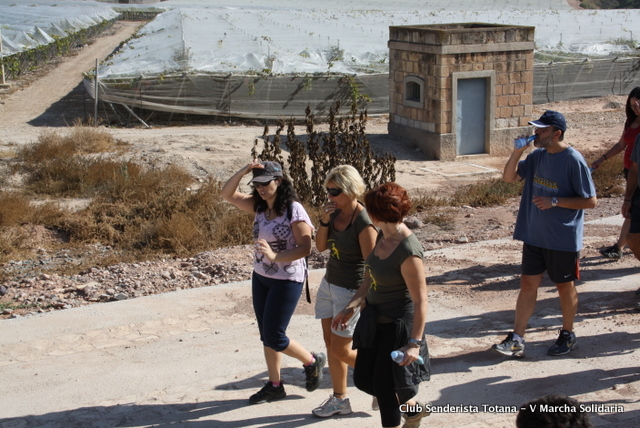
557,189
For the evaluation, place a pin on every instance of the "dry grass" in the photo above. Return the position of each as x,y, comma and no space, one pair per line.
141,212
67,165
608,178
432,209
485,193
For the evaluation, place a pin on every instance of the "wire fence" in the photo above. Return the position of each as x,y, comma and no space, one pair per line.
565,81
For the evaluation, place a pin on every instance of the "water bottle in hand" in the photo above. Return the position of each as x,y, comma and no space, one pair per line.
398,357
519,143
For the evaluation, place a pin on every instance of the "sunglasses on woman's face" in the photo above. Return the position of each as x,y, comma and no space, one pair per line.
333,191
265,184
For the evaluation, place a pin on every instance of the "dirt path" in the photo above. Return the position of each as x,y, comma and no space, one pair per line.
41,103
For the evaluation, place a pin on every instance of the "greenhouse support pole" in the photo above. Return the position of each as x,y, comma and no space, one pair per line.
4,83
126,107
95,96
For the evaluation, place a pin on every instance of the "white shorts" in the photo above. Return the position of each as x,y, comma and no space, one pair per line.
330,300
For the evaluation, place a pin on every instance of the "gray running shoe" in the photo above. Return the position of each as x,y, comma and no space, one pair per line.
414,421
374,403
612,252
313,372
332,406
510,347
268,393
566,343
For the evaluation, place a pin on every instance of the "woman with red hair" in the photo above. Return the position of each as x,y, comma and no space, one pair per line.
393,302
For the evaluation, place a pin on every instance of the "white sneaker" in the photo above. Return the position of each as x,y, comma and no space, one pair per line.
333,405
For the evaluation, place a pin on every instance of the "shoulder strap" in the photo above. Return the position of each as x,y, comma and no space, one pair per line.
306,259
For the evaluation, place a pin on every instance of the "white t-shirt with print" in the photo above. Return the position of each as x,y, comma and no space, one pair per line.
277,232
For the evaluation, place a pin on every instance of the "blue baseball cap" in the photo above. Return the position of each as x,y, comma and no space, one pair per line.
550,118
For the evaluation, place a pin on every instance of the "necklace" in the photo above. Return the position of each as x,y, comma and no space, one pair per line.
353,214
385,238
268,213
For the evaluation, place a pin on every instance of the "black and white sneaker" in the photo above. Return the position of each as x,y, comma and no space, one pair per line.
612,252
313,372
566,343
268,393
510,347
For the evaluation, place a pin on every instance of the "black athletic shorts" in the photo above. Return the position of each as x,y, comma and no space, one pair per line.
635,207
562,266
635,213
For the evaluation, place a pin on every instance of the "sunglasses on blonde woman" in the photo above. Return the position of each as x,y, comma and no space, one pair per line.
333,191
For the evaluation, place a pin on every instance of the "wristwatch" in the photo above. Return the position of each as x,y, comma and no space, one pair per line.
416,341
554,202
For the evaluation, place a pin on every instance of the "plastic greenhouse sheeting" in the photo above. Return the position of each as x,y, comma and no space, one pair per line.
280,40
271,97
25,25
267,58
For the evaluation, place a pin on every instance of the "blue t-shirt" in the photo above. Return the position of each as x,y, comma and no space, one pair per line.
563,174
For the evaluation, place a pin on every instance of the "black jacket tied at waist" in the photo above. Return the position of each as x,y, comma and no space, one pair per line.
400,312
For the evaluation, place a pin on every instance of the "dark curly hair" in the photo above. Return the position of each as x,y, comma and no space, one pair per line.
285,196
388,203
631,115
532,416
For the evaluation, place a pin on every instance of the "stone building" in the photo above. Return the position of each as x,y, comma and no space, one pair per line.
460,89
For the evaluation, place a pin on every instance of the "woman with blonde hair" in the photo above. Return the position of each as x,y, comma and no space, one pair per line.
346,231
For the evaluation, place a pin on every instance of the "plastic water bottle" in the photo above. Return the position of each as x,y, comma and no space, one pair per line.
519,143
398,356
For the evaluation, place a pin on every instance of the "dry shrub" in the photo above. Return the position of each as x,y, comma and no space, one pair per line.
46,214
93,140
64,165
50,145
154,191
485,193
19,221
21,241
205,222
345,143
608,178
138,211
432,209
14,209
79,140
11,242
153,211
